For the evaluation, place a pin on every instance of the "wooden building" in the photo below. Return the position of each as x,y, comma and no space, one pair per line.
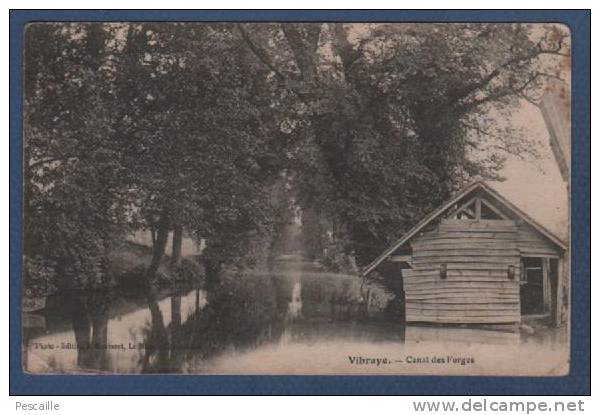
478,259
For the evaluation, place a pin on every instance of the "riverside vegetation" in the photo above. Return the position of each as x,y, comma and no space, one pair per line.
225,132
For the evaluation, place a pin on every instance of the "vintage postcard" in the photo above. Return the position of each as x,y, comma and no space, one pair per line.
296,198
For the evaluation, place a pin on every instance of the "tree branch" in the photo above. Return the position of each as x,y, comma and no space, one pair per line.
502,93
343,47
303,47
536,52
38,163
259,53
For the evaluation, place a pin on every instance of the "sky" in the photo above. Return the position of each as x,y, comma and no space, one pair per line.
536,186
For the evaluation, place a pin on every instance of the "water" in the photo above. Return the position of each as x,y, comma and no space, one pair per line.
297,320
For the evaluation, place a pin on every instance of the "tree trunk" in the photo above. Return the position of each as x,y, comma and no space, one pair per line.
158,340
162,236
99,361
177,242
81,329
153,233
303,40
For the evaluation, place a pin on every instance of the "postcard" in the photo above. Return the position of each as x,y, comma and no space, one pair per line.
322,198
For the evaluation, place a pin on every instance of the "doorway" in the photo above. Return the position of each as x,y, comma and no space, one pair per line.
532,286
538,286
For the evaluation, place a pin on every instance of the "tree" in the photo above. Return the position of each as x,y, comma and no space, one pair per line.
156,126
199,148
73,211
391,119
210,130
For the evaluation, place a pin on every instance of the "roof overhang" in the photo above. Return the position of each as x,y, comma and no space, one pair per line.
460,195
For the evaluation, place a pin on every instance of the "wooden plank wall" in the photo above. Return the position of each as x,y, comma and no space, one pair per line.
531,243
477,289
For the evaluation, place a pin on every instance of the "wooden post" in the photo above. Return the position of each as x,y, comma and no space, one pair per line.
546,284
478,209
559,293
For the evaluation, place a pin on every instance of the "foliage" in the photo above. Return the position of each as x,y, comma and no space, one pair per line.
71,192
391,119
188,271
210,158
221,131
38,276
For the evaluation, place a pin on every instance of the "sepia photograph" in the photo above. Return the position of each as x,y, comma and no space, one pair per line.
285,198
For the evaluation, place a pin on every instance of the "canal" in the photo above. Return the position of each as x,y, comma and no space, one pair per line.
297,319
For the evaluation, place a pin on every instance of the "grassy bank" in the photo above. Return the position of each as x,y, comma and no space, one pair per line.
126,268
128,265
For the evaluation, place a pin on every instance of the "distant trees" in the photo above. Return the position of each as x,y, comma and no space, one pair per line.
211,129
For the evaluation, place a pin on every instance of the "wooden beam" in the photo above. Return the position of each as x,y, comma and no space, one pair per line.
546,284
478,208
469,213
538,255
462,207
559,293
401,258
493,209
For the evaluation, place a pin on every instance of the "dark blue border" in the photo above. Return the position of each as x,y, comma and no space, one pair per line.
576,383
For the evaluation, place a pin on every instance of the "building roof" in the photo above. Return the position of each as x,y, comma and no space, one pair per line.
460,195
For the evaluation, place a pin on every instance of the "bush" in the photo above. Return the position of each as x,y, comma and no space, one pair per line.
188,270
133,278
336,259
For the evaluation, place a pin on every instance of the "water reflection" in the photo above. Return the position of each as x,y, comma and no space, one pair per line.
296,320
90,326
295,304
104,333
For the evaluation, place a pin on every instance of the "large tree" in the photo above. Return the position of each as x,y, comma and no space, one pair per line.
199,147
211,129
72,204
390,119
156,126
